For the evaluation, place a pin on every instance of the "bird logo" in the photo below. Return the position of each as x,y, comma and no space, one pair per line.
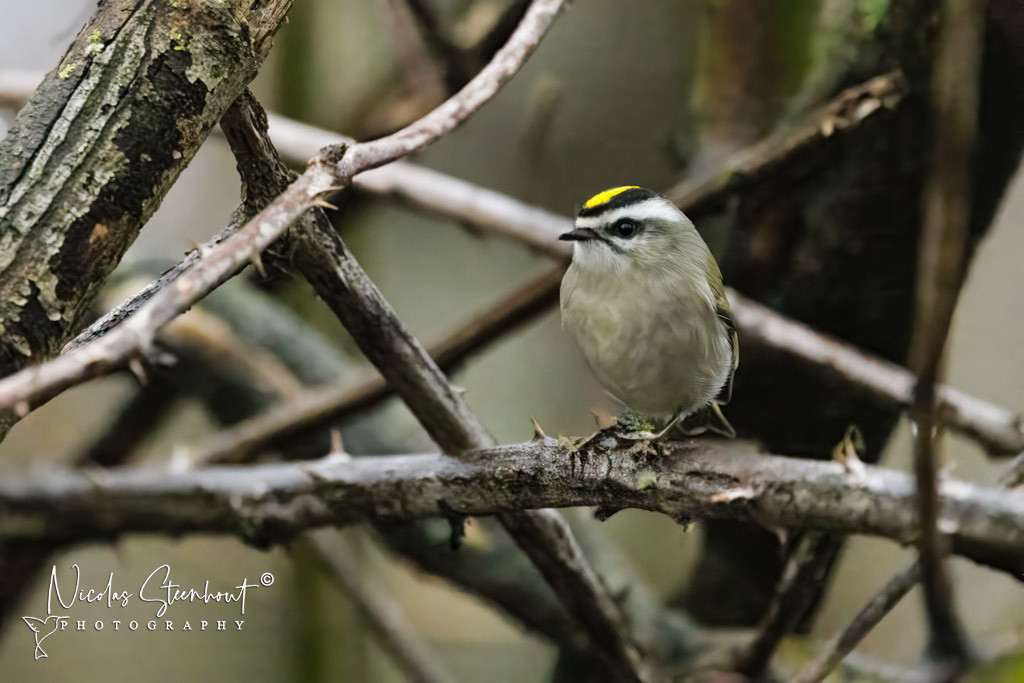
42,631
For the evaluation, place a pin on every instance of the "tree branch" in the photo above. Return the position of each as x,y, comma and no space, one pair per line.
384,616
941,262
452,59
868,617
331,169
319,408
137,96
997,430
801,582
688,480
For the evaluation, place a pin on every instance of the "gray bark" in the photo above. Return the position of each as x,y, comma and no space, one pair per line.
101,142
686,480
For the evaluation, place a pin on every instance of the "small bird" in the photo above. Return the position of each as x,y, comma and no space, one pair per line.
644,301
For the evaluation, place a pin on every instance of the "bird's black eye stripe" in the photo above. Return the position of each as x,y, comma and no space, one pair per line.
625,228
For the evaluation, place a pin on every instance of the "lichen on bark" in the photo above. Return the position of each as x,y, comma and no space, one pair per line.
100,143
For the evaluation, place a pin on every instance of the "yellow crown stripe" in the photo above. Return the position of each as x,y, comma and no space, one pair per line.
603,197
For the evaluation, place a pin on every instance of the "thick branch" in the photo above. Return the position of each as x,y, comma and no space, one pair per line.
134,95
941,259
331,169
689,480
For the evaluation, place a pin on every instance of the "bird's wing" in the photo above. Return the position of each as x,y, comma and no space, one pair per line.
724,313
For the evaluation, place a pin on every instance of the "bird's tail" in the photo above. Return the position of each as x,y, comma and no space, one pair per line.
708,419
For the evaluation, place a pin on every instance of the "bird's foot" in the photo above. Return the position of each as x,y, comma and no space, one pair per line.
642,432
634,427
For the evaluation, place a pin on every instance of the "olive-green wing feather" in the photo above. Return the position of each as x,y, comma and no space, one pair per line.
724,313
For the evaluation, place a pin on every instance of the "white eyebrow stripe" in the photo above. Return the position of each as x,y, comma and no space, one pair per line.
641,211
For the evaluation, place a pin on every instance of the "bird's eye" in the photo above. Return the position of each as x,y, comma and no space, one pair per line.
625,228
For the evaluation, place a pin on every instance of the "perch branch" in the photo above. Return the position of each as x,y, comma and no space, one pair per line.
689,480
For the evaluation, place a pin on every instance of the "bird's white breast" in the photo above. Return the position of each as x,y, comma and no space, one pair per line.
655,343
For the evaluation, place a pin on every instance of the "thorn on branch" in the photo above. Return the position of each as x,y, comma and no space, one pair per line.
138,369
538,433
257,262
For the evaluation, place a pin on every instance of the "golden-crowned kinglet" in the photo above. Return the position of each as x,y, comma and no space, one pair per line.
644,301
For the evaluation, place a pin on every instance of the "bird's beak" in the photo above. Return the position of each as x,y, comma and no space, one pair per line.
579,235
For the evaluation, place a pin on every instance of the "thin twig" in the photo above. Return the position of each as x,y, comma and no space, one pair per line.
805,138
384,616
454,61
693,479
318,408
866,620
1014,474
330,170
134,422
939,279
801,582
873,612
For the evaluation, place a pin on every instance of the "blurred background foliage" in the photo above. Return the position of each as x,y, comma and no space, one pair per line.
647,92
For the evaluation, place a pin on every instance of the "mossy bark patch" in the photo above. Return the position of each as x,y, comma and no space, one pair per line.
101,142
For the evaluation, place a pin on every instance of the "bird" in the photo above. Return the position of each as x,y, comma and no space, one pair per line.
644,301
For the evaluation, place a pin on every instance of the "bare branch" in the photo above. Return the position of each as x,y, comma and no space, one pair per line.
332,169
939,278
694,479
996,429
868,617
801,581
1014,474
806,137
135,96
318,408
135,421
455,62
384,616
